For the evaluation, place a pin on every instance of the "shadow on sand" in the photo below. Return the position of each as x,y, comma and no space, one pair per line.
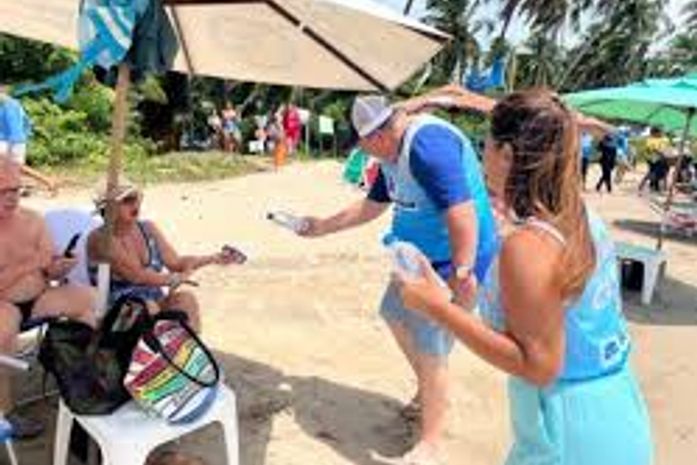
351,421
674,303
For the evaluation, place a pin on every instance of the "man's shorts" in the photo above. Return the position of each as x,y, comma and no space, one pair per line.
15,152
429,338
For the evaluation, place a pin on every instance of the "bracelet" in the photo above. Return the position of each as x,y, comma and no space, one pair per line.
174,280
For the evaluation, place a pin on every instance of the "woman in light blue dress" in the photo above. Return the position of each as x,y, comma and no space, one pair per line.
551,301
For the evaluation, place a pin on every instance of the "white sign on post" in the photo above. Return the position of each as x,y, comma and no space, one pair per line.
326,125
304,115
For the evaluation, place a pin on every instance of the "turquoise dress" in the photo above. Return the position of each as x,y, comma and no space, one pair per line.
594,413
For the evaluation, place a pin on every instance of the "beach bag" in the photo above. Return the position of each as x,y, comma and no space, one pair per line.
172,374
89,365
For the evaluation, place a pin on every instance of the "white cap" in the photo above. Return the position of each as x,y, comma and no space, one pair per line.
369,112
122,190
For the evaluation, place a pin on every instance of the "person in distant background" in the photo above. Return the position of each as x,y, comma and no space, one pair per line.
292,126
608,160
232,136
624,163
657,144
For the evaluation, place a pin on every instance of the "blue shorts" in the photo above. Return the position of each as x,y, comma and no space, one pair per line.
429,338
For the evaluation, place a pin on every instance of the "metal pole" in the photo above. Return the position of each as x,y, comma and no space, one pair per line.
674,180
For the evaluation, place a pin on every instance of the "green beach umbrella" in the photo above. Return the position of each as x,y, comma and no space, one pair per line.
670,104
666,103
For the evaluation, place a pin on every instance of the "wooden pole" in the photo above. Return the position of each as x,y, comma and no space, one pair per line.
118,135
676,172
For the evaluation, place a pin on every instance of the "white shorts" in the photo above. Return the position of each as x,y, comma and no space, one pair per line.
15,152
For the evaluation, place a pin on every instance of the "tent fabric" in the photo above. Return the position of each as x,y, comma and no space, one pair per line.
335,44
664,103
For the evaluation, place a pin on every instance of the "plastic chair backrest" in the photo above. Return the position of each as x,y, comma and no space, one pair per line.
62,225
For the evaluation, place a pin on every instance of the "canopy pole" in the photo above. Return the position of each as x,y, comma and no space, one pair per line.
674,179
189,69
118,134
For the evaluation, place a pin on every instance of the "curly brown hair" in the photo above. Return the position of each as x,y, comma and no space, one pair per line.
543,180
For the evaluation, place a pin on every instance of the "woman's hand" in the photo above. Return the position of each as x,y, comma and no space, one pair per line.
229,256
424,293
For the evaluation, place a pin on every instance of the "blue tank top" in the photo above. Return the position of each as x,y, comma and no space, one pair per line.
597,341
121,287
418,220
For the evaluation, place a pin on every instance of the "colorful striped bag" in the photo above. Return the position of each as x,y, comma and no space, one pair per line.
172,373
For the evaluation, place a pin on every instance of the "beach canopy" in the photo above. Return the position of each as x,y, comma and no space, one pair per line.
333,44
669,104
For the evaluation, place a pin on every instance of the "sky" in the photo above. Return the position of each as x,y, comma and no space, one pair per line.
518,30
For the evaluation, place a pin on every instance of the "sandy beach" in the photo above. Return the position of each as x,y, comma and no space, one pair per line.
318,378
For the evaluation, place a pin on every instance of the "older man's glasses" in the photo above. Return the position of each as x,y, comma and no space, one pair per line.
10,192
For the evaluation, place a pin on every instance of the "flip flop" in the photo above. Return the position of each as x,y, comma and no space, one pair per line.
411,411
24,427
413,457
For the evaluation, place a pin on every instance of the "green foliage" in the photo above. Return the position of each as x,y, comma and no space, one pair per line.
25,60
61,135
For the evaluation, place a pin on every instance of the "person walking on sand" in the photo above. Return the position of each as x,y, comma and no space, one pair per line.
430,173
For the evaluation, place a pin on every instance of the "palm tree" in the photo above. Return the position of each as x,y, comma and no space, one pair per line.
690,13
615,49
407,7
459,18
543,15
539,61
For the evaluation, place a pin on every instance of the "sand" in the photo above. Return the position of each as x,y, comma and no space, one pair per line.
318,378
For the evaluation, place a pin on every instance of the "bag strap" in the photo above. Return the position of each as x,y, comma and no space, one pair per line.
115,311
151,340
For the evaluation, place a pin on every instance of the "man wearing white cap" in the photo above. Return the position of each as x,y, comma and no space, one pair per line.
431,175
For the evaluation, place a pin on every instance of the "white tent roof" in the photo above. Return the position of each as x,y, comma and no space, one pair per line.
337,44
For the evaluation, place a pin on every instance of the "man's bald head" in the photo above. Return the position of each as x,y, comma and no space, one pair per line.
10,172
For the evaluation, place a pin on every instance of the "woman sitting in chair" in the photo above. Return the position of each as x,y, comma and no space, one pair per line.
142,260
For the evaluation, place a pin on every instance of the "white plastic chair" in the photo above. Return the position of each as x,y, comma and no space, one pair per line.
62,225
653,262
127,436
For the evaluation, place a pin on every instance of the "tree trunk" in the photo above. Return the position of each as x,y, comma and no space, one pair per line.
407,7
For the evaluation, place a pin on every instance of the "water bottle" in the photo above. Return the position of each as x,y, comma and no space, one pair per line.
405,258
288,220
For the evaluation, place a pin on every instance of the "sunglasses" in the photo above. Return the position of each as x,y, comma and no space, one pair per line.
131,199
12,191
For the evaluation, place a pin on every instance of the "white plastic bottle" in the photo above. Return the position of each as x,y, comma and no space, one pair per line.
405,258
288,220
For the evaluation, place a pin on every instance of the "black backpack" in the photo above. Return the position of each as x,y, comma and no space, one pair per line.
89,365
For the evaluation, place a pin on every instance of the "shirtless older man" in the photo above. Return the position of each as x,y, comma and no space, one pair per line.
27,267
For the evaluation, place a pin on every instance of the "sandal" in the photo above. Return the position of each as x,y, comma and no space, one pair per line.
417,456
24,427
412,410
